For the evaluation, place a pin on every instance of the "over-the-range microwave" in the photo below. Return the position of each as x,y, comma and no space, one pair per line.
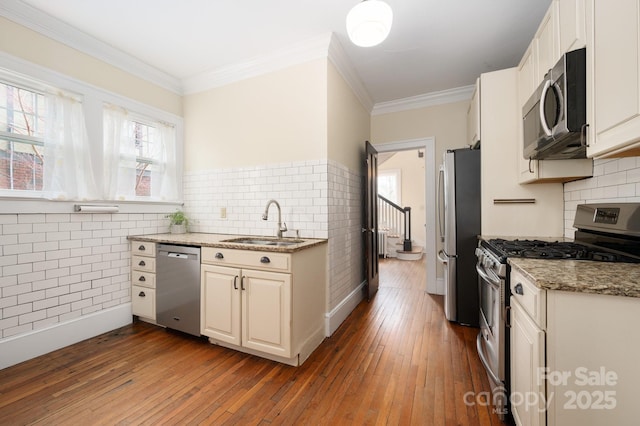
554,117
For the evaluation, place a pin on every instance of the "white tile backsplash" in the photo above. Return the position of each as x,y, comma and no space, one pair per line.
57,267
614,180
320,199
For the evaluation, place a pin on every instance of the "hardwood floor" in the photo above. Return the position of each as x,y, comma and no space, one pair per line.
395,361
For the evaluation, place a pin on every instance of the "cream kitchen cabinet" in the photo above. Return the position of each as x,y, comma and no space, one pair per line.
268,304
247,308
547,40
571,25
613,78
143,280
527,350
473,116
573,356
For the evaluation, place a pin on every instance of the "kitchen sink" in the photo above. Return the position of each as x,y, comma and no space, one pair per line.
263,241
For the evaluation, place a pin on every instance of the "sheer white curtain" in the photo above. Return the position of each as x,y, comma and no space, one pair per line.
164,178
119,153
68,172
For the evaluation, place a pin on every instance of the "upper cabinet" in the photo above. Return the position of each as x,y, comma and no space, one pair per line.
547,40
571,25
473,116
613,78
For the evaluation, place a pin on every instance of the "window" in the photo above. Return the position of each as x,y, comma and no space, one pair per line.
389,184
64,140
143,152
22,125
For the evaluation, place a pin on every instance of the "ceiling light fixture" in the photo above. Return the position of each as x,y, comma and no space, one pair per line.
369,23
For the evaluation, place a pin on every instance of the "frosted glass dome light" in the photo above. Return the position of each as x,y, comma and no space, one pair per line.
369,23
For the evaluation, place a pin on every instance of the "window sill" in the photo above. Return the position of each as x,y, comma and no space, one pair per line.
40,206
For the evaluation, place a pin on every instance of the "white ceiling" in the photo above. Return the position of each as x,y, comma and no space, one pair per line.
434,45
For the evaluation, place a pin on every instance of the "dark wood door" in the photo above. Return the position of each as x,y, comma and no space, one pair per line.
370,227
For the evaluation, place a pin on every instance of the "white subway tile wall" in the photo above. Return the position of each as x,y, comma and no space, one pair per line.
345,236
57,267
319,199
614,180
300,189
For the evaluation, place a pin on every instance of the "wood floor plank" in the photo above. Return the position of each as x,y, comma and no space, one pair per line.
395,361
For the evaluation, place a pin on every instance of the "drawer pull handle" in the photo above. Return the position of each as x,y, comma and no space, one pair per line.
141,294
141,248
142,263
142,278
265,259
219,255
518,288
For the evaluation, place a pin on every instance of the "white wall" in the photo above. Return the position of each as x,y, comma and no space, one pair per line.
413,188
614,180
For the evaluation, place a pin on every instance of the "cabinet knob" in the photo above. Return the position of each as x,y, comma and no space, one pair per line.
142,248
142,278
519,289
141,294
142,263
219,255
265,259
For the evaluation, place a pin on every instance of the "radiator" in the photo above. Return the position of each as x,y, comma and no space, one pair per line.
382,243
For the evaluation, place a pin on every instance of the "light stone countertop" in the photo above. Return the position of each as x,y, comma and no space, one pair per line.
217,240
616,279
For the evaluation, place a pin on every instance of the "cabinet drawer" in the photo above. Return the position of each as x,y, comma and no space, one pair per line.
143,302
144,279
143,248
142,263
247,258
530,297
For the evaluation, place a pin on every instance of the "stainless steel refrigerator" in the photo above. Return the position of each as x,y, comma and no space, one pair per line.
459,219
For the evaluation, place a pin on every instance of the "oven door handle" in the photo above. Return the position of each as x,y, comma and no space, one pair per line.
483,360
483,274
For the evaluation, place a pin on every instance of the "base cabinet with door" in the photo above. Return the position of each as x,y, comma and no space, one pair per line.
143,280
268,304
573,356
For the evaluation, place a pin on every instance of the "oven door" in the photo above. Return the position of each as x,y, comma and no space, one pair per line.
491,339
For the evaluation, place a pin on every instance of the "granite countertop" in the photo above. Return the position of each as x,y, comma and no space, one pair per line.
616,279
217,240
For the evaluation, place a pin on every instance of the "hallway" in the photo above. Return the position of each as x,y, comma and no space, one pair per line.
395,361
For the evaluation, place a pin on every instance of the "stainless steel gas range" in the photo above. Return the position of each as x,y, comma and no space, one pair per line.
605,233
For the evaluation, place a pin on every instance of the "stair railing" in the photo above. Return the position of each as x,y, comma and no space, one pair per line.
396,219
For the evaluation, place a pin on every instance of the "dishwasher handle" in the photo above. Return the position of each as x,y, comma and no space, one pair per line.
178,255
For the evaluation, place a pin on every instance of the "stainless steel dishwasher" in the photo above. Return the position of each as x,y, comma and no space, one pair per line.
178,288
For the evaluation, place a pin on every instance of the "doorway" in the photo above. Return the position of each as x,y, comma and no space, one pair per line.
427,145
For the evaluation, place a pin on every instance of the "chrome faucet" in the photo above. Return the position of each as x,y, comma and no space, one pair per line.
282,227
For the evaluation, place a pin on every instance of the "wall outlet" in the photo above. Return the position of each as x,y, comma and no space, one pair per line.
223,212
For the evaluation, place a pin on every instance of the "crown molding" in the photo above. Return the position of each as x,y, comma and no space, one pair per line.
426,100
341,60
47,25
305,51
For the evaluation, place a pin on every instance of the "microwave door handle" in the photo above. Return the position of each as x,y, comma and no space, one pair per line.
543,98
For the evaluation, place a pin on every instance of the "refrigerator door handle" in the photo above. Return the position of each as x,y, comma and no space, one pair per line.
443,257
441,202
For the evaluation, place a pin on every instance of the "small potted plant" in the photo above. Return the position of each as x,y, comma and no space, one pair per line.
177,222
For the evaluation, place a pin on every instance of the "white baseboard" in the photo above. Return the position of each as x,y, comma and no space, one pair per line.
337,316
14,350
